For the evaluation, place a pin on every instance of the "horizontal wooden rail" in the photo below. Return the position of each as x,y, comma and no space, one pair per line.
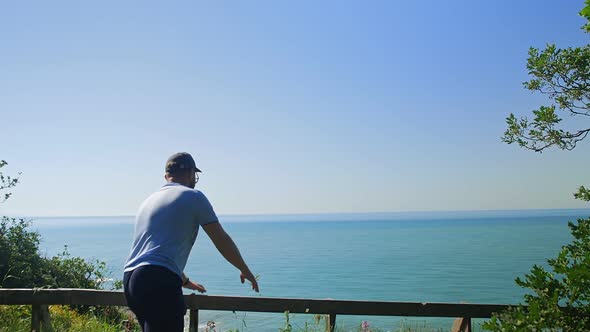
257,304
64,296
374,308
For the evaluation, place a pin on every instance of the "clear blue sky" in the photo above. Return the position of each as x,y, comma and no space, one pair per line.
288,107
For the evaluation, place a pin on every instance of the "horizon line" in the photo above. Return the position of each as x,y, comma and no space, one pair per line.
330,213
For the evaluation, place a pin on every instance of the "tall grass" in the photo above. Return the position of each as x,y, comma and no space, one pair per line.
17,318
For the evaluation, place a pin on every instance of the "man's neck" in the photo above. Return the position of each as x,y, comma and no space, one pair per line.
178,182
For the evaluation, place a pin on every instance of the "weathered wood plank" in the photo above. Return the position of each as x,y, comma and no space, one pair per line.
260,304
257,304
332,326
61,296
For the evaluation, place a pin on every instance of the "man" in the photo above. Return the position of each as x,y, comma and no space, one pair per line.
166,227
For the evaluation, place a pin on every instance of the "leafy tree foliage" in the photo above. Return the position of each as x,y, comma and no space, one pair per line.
564,76
6,182
558,298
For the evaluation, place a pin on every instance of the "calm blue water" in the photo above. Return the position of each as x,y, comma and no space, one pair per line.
425,257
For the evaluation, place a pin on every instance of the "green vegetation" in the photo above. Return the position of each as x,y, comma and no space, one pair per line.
564,76
18,318
22,266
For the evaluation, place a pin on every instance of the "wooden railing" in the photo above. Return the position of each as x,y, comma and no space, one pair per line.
41,298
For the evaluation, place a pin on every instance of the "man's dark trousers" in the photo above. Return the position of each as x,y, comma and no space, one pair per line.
154,294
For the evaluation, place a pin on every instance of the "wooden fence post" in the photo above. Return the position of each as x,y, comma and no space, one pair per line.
40,319
45,319
193,320
332,322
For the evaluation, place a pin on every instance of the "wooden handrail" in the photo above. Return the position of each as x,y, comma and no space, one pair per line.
73,296
69,296
374,308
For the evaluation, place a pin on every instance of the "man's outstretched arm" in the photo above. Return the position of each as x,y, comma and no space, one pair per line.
228,249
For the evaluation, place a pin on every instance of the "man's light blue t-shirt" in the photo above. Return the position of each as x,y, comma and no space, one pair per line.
166,227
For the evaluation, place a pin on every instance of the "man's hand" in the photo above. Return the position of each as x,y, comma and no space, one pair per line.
250,277
194,286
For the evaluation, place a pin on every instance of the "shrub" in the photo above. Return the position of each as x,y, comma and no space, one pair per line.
566,284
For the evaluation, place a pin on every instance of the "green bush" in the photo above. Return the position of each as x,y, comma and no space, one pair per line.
22,266
20,262
65,271
559,299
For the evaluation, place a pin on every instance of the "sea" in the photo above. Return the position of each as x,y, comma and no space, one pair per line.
453,257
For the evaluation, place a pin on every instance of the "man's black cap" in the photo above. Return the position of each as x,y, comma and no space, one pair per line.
181,160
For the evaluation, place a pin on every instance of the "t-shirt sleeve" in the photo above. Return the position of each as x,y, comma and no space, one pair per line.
204,211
